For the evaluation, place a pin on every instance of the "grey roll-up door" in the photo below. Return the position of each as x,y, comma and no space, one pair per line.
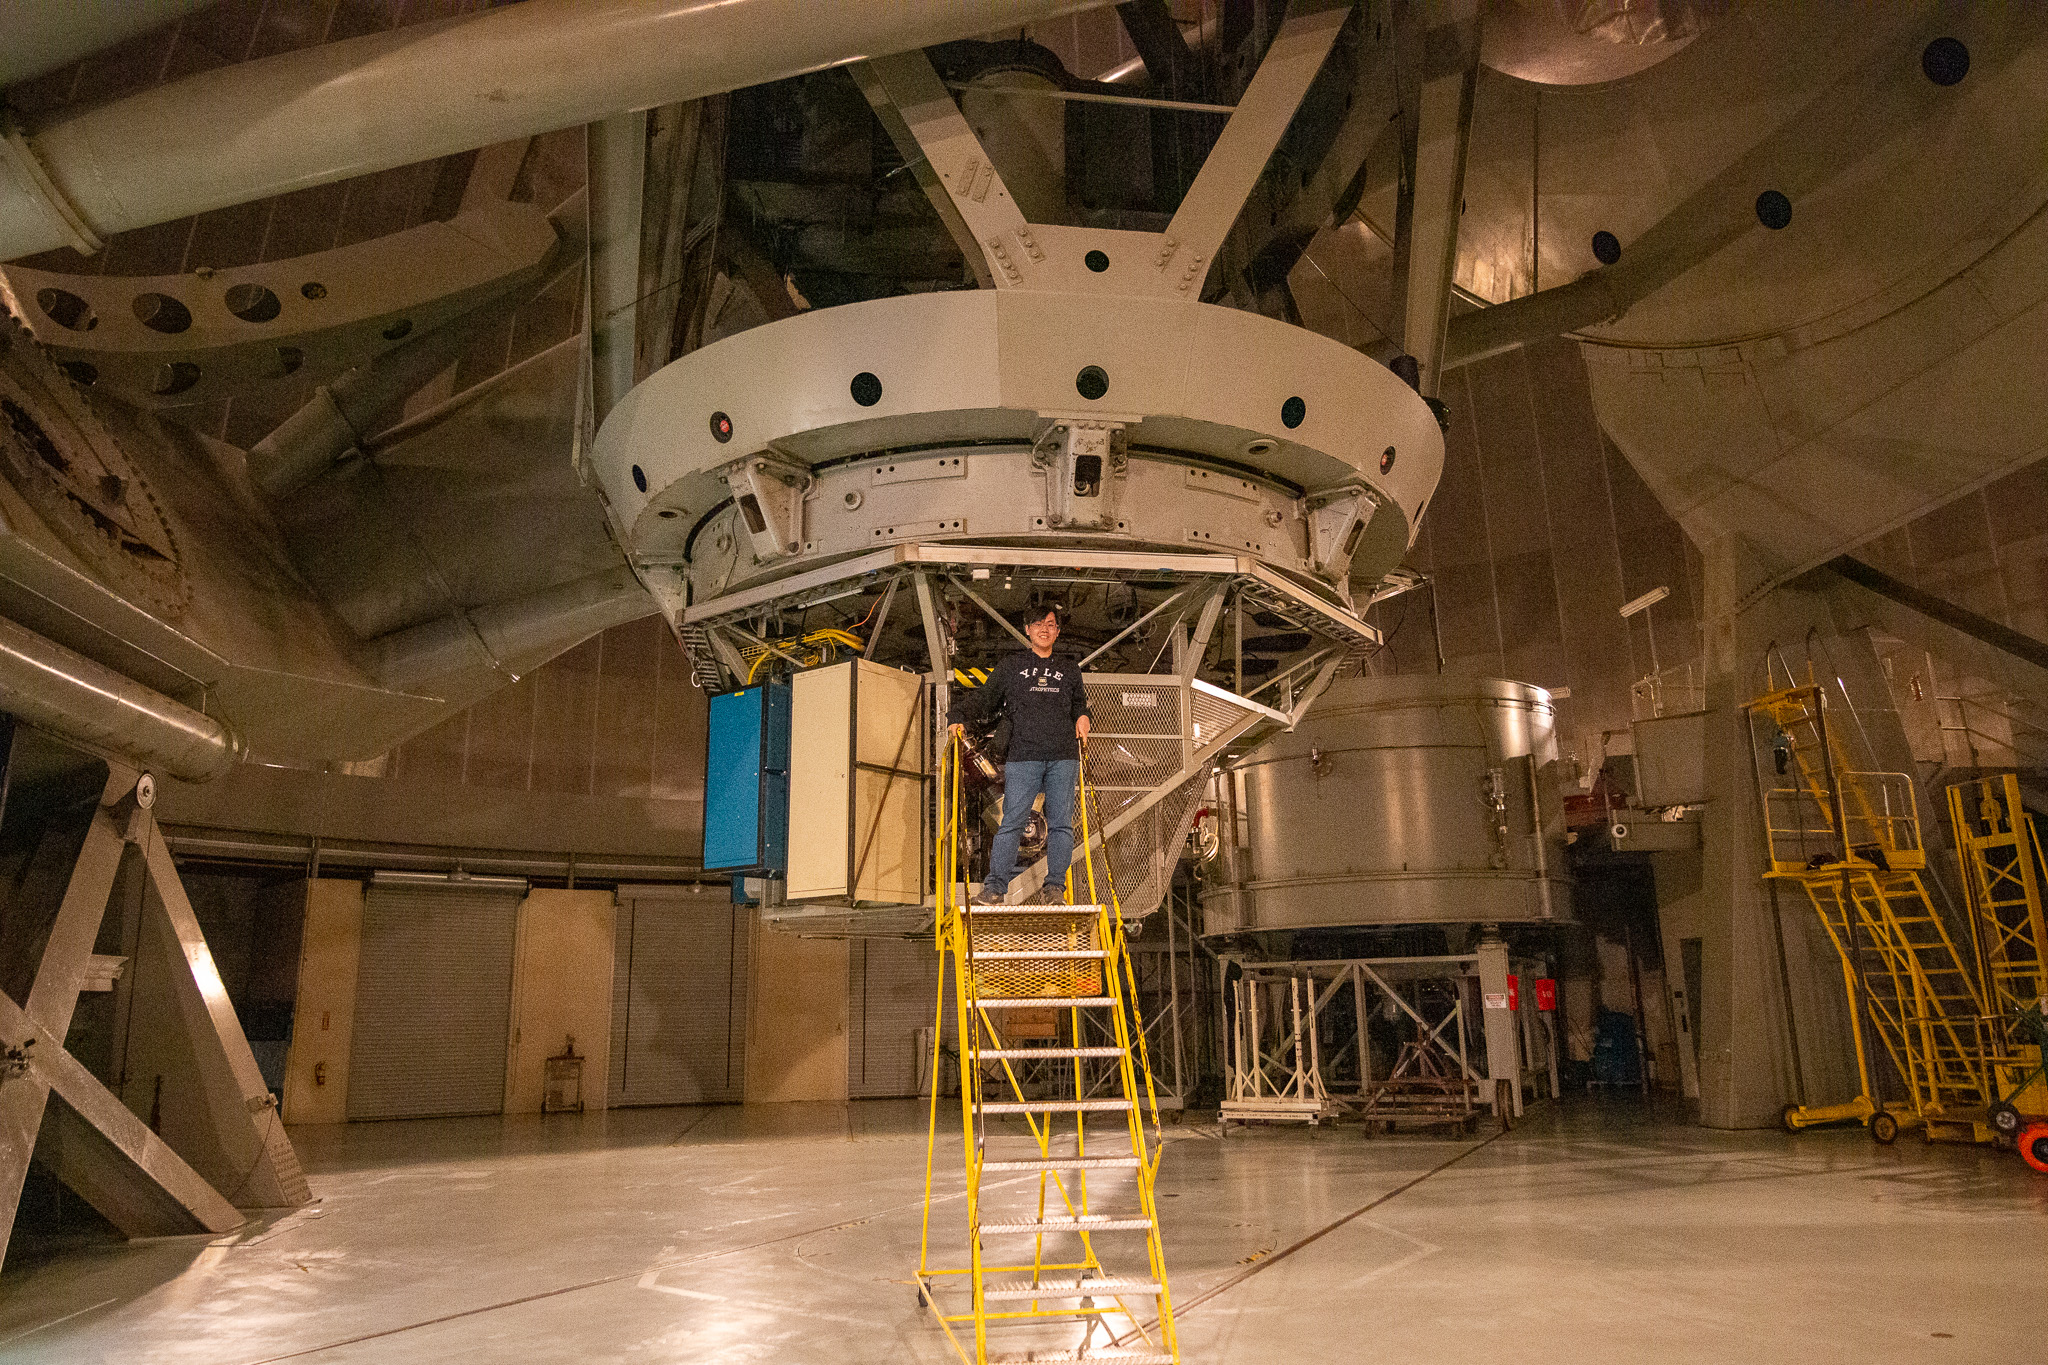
433,1003
679,999
893,992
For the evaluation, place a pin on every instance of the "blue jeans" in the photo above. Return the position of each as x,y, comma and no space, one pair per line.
1022,782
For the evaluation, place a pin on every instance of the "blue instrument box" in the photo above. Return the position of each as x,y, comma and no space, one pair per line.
746,782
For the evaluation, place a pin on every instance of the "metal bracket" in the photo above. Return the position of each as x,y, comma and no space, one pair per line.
769,492
1082,489
1336,522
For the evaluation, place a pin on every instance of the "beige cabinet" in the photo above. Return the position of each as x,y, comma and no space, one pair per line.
856,785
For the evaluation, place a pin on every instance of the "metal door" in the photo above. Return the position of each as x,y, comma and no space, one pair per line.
893,992
679,998
433,1003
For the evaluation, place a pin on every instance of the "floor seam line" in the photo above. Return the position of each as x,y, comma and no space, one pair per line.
1181,1311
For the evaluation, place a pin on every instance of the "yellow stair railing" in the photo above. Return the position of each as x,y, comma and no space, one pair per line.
1013,970
2000,852
1851,841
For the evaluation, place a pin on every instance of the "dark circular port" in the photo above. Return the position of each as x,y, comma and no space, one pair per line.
639,478
1096,261
668,514
867,390
1945,61
313,289
253,303
721,428
1773,210
1092,382
399,330
1387,460
174,378
162,313
1292,412
1606,247
67,310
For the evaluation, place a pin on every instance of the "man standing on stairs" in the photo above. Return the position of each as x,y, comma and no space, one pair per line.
1048,711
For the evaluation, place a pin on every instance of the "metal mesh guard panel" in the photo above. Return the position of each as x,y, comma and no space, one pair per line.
1025,979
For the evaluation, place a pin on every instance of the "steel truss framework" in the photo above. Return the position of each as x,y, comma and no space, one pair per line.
1145,817
52,1108
1299,1045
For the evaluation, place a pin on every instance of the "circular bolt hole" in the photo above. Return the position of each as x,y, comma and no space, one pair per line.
1262,446
80,371
1292,413
174,378
1092,382
639,478
1773,210
853,500
721,428
667,514
1945,61
289,358
1387,460
67,310
313,289
1606,247
162,313
867,390
253,303
1096,261
399,330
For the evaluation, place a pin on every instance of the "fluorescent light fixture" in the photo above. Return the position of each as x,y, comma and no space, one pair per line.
1646,601
457,880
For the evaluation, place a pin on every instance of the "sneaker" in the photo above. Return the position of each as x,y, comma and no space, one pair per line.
981,895
1050,895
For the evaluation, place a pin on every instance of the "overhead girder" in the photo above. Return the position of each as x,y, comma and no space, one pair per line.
321,114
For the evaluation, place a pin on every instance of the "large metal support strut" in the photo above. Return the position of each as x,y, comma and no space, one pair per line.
54,1109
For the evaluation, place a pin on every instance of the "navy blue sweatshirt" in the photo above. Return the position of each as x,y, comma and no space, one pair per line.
1043,697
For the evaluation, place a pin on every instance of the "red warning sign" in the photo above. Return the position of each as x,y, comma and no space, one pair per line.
1546,993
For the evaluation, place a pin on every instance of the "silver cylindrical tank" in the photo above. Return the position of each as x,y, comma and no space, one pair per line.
1404,800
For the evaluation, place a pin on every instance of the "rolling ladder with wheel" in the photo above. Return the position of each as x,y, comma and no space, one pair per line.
1033,985
1851,841
2000,852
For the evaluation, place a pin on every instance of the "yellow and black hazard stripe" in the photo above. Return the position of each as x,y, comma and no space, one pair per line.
971,677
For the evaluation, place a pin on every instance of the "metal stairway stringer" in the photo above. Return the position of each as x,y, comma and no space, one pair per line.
1029,985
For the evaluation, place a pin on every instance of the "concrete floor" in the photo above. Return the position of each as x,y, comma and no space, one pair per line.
1594,1233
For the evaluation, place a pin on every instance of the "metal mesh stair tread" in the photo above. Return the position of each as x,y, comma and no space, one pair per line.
996,911
1038,1001
1071,1358
1086,1222
1072,1163
1045,1054
1067,1289
1034,954
1055,1106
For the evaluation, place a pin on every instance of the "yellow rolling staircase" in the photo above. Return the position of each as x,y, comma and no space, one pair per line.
2000,852
1038,990
1851,841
